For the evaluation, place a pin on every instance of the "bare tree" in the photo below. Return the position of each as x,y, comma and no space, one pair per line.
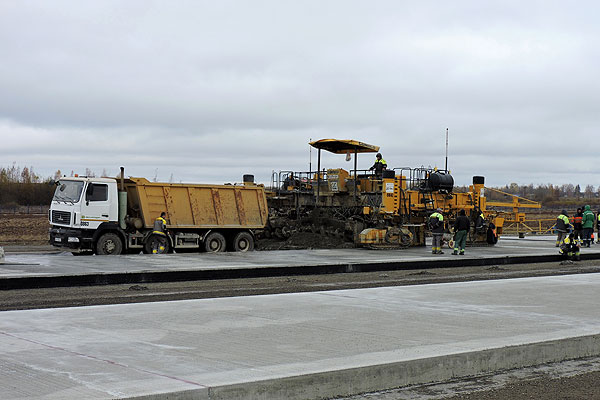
589,191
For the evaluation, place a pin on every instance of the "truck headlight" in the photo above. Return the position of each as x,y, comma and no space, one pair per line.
73,239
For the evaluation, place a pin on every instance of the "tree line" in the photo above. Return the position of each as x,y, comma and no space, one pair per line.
22,186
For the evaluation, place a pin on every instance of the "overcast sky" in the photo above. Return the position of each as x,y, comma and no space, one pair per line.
206,91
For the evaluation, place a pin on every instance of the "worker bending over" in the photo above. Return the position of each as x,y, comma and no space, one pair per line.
569,248
436,222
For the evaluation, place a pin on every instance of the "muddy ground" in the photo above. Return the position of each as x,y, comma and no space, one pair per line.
23,229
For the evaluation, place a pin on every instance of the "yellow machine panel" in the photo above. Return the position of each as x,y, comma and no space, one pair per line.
336,179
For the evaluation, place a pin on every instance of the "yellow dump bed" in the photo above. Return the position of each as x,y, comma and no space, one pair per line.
197,206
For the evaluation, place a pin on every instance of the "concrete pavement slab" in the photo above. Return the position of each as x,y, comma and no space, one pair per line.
63,269
297,346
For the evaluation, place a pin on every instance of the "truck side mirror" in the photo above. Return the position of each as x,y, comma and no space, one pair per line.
89,193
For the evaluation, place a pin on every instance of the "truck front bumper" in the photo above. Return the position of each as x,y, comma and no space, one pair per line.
70,238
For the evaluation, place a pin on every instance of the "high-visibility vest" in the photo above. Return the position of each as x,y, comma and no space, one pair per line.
437,215
159,226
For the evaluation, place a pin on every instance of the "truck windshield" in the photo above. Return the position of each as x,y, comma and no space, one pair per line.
68,191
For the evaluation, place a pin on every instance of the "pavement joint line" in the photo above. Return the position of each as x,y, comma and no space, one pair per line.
99,359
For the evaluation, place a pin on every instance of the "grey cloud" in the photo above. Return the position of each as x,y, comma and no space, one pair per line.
215,89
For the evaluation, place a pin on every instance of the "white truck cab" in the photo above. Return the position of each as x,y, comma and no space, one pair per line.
81,206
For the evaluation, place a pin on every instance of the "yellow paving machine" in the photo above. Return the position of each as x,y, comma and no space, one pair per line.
387,210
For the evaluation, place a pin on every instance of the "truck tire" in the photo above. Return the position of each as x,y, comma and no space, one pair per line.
243,242
109,244
214,243
161,243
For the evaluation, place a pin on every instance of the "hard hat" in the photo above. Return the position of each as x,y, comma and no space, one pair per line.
438,209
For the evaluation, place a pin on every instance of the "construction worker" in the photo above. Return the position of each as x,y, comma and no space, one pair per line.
461,230
479,219
588,225
562,227
578,224
569,248
436,222
160,230
290,182
379,166
598,226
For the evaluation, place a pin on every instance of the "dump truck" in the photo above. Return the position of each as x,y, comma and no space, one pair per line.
111,216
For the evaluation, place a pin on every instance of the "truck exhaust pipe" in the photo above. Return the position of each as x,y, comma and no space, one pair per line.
122,179
122,201
248,180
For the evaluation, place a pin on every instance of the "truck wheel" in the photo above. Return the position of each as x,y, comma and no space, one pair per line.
243,241
214,242
109,244
158,243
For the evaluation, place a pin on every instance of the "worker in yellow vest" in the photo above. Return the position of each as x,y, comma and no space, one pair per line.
598,226
379,166
562,227
160,229
570,248
436,223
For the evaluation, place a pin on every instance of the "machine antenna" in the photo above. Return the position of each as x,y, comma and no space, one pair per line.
446,150
310,156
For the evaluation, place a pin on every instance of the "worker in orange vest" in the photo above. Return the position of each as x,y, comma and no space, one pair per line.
578,225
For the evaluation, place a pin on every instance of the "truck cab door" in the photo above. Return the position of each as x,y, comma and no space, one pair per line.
95,208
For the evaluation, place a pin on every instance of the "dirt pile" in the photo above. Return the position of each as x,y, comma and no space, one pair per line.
304,240
32,229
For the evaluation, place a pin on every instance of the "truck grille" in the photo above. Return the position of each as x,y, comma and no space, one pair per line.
61,217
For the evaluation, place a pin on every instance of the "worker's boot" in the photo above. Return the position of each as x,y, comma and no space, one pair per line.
462,253
455,252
